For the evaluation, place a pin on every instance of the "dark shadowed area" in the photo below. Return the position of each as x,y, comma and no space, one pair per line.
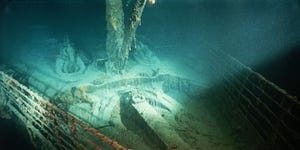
262,34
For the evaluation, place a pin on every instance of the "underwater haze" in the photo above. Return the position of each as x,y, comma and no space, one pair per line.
262,34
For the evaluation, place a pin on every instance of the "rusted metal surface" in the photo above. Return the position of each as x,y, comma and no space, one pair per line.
51,127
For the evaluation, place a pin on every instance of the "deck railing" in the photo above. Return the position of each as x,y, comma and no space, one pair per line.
50,127
273,112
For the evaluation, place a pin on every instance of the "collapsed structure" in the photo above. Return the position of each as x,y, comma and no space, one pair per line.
66,103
